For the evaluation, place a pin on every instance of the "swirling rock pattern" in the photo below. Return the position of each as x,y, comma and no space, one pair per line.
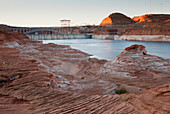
138,68
38,78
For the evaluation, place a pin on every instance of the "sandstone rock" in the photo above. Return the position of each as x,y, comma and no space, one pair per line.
8,36
59,60
152,18
42,78
136,66
135,49
149,24
107,21
156,100
117,18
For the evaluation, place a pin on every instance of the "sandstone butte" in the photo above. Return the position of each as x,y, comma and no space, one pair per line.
152,18
117,18
121,19
149,27
49,78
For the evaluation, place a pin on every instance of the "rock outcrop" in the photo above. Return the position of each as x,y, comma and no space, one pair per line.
107,21
121,19
150,27
136,66
152,18
156,100
117,19
8,36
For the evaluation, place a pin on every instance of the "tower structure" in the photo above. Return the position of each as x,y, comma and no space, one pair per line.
65,23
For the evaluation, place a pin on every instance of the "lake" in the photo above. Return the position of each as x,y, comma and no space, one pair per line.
108,49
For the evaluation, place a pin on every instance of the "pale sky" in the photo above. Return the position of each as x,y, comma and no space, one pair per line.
33,13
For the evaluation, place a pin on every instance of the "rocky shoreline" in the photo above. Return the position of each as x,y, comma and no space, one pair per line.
50,78
153,38
149,27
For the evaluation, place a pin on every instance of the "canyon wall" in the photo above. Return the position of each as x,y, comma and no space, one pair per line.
150,27
152,18
119,18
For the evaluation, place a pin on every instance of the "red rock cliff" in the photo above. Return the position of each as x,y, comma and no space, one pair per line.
152,18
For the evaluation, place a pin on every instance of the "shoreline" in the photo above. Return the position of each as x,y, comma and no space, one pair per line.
152,38
95,47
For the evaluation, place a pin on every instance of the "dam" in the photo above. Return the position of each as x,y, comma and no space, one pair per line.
58,36
50,33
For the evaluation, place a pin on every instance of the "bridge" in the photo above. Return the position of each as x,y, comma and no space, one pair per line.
49,33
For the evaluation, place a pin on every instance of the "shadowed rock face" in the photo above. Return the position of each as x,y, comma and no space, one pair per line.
38,78
117,18
8,36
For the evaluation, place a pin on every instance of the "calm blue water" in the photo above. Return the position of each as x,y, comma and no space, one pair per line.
108,49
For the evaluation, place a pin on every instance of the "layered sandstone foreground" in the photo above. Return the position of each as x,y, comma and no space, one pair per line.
50,78
137,68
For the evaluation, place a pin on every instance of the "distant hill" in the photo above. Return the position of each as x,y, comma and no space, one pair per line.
152,18
116,19
121,19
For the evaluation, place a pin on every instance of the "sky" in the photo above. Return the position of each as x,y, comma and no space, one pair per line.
48,13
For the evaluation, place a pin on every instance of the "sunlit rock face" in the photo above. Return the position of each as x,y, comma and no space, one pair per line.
106,21
117,18
167,20
152,18
121,19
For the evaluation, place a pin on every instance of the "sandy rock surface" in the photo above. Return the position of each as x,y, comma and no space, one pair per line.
50,78
137,68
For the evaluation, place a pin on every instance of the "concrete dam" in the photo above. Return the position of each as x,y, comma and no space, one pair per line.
58,36
50,33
